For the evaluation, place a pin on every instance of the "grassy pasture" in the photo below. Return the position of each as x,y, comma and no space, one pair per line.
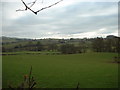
91,70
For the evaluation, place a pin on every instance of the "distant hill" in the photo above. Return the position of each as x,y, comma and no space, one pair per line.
6,40
50,44
111,36
12,40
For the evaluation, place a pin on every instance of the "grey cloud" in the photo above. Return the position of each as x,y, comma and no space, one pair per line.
63,21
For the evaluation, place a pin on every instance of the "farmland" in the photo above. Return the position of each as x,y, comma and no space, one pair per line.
91,70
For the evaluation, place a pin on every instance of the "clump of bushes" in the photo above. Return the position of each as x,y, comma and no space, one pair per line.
117,59
28,82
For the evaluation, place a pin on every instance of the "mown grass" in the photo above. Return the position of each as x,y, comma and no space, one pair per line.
91,70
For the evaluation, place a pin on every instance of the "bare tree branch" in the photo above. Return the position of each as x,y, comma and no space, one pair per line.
26,7
35,12
32,3
48,6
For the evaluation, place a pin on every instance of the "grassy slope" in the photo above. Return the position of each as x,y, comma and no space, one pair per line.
91,70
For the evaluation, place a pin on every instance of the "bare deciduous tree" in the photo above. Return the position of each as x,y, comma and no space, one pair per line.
33,3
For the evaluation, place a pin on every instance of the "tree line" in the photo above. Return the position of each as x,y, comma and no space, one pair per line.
72,46
106,44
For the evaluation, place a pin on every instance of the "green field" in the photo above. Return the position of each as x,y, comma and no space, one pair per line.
91,70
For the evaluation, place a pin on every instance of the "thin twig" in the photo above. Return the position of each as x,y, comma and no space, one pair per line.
30,77
35,12
26,7
32,3
77,86
48,6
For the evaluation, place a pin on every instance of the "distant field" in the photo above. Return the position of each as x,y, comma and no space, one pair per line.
31,52
91,70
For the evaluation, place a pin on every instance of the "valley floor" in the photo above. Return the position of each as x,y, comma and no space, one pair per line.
91,70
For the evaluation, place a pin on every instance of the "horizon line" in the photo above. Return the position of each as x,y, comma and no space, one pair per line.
57,38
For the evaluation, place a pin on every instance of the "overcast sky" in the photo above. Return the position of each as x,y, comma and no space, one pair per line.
68,19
